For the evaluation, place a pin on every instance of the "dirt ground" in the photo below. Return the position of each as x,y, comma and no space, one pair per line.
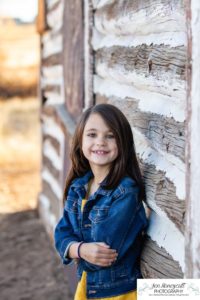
29,266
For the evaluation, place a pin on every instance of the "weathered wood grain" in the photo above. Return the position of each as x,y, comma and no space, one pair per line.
55,16
52,75
165,133
54,200
99,3
140,17
193,143
52,60
73,53
52,43
61,118
88,55
51,4
54,142
155,59
50,166
157,263
148,101
156,67
162,191
56,89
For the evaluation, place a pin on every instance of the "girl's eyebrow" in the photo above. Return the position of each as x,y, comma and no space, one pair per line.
94,129
91,129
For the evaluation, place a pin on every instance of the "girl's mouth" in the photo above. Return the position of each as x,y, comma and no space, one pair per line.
100,152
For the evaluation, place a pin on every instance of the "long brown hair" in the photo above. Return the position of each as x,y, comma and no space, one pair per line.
126,163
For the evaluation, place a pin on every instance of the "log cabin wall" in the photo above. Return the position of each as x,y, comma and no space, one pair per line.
61,42
192,234
131,54
140,57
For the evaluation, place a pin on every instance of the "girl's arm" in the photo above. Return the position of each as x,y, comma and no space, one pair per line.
120,228
67,243
98,254
63,237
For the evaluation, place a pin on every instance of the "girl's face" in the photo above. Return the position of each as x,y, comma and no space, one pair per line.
98,143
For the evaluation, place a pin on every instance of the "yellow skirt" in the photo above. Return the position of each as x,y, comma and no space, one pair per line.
81,292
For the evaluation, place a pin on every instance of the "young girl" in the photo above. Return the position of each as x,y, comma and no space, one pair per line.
103,218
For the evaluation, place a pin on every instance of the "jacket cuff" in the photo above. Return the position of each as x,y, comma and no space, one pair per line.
65,249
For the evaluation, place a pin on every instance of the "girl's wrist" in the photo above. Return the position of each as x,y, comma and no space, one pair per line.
78,249
74,250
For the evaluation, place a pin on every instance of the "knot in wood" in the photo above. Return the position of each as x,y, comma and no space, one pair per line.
149,62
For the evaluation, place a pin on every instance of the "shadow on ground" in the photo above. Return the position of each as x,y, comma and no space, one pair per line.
30,268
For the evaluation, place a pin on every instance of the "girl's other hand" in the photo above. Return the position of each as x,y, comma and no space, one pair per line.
98,254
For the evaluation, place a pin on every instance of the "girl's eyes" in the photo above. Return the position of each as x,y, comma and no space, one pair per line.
108,136
91,134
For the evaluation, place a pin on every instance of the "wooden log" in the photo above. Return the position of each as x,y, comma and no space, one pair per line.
55,16
54,134
62,119
98,3
52,60
53,199
73,52
161,191
52,43
54,159
52,3
56,89
53,182
53,98
192,235
52,75
149,101
54,142
52,95
154,59
165,133
157,263
140,17
48,164
155,68
88,53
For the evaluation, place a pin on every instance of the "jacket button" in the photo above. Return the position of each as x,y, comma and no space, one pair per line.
87,225
92,292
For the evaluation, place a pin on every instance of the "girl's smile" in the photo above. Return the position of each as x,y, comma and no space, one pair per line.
100,152
98,144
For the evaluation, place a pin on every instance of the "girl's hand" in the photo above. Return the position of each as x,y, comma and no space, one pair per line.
98,254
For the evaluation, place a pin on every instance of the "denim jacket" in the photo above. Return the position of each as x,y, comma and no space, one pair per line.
115,217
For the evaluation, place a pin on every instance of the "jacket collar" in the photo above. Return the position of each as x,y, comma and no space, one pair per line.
82,182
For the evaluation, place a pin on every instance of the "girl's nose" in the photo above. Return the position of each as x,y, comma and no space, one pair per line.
100,141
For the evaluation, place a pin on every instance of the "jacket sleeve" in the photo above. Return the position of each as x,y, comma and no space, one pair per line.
63,236
125,220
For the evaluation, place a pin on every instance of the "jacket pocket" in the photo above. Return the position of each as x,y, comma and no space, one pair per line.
98,214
